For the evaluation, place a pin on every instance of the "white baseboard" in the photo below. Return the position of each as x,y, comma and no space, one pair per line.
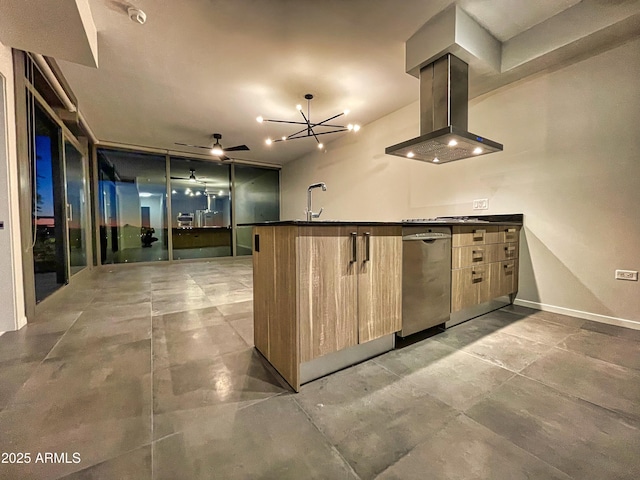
620,322
22,321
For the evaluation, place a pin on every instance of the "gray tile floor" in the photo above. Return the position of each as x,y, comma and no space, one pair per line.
149,372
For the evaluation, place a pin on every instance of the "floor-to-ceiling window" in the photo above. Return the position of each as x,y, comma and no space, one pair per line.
132,206
144,218
200,208
256,199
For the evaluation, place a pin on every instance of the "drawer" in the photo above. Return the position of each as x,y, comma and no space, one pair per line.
505,251
468,235
508,233
469,286
504,278
462,257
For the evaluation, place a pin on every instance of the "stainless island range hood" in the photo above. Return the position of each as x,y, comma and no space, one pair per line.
444,91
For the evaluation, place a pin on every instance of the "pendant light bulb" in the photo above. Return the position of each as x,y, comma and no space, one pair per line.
217,149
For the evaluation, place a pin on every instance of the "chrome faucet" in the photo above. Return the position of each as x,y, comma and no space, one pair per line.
309,212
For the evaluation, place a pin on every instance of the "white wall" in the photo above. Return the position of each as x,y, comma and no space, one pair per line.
571,164
12,314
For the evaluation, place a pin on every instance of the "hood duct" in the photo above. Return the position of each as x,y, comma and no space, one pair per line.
444,91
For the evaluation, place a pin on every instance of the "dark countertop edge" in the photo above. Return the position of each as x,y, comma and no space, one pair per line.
515,219
189,229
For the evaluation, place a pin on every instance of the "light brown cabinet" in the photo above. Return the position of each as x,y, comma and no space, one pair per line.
321,289
484,264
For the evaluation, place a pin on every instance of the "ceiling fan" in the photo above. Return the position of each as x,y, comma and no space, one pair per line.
216,149
191,178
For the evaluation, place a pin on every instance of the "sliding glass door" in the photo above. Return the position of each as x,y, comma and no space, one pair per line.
48,215
76,207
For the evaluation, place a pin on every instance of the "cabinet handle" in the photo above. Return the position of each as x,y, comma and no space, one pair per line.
477,255
508,267
479,234
354,248
367,246
511,230
509,249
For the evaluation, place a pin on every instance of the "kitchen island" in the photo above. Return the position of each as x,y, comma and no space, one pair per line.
328,294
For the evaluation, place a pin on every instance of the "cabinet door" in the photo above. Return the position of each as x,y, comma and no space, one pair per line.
379,282
327,290
274,305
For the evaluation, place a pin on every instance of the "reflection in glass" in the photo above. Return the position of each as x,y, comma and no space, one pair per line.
257,199
200,209
76,208
132,190
49,256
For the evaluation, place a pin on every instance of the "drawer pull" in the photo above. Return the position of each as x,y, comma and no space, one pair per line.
354,248
367,239
508,267
477,255
479,234
509,249
511,230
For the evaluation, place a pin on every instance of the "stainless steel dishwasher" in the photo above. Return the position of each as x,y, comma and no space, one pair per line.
426,277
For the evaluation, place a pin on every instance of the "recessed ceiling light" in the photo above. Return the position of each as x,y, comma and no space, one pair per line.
410,155
436,160
320,146
477,150
452,143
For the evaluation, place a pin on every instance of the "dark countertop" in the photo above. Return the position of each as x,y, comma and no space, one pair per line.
479,220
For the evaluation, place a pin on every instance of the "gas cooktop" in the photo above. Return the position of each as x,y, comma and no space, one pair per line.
445,220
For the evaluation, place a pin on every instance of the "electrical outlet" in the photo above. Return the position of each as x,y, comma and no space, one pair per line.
481,204
627,275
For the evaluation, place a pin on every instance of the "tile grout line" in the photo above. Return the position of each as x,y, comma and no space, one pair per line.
12,398
151,391
333,447
515,445
617,413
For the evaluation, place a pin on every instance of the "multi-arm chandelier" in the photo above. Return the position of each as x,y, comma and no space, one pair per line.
311,129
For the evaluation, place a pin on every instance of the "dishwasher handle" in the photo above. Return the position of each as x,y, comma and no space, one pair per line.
426,237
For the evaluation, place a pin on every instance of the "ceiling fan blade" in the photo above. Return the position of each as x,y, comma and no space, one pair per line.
224,158
237,148
194,146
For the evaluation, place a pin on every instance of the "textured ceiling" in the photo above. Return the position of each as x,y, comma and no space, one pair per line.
203,66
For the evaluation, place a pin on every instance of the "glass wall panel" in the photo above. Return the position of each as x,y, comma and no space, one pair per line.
133,210
200,209
49,249
257,199
76,208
